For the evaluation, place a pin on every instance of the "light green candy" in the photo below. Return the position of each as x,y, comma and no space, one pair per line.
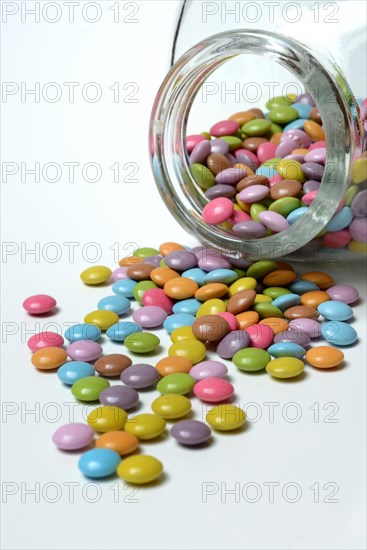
251,359
203,176
259,269
145,252
89,388
265,309
233,142
255,210
350,194
142,287
283,114
278,101
285,205
178,383
272,162
274,129
276,291
141,342
256,127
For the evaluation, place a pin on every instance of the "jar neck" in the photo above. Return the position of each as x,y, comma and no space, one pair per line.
318,74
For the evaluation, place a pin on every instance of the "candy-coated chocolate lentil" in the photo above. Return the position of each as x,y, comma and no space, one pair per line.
130,260
84,350
338,333
112,364
107,418
180,383
230,318
166,248
190,306
142,342
180,288
150,316
286,301
140,271
103,319
324,357
344,293
191,432
275,323
119,331
246,319
140,289
251,359
119,273
241,301
160,275
121,442
322,280
124,287
293,335
89,388
193,350
302,286
314,298
72,371
287,349
210,328
44,340
49,358
279,277
244,283
333,310
146,251
211,291
172,365
140,376
310,327
121,396
74,436
182,333
178,320
298,312
208,369
213,390
99,463
117,304
211,307
225,276
95,275
83,331
276,291
226,417
195,274
139,469
285,367
157,297
145,426
39,304
267,310
261,336
260,269
171,406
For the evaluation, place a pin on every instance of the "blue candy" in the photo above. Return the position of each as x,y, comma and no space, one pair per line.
286,301
298,124
190,306
99,463
124,287
119,331
294,216
226,276
178,320
340,220
301,286
72,371
118,304
339,333
196,274
83,331
303,110
333,310
287,349
267,171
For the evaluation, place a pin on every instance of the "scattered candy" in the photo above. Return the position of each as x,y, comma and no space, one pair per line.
191,432
145,426
39,303
73,437
139,469
121,442
99,463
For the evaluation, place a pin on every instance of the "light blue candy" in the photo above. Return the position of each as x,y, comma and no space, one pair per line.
124,287
286,301
267,171
294,216
190,306
333,310
303,110
296,124
339,333
287,349
195,274
178,320
73,371
83,331
301,286
341,220
118,304
99,463
119,331
226,276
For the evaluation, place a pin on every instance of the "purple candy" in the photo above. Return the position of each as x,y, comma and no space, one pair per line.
311,185
359,204
121,396
72,437
286,147
150,316
84,350
180,260
316,155
307,326
254,193
249,229
259,287
232,343
219,146
343,293
191,432
140,376
208,369
220,190
313,171
242,158
297,158
273,221
240,263
200,152
230,176
197,250
358,230
153,260
210,260
299,136
120,273
305,99
292,335
231,158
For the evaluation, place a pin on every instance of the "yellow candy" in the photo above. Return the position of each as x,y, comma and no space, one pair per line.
145,426
226,417
360,248
242,284
290,169
95,275
182,333
359,170
285,367
194,350
107,418
261,298
211,307
139,469
292,96
103,318
171,405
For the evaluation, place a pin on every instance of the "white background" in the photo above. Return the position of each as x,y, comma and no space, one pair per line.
324,448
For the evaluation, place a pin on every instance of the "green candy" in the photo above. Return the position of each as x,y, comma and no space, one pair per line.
272,162
264,309
206,135
274,129
142,287
89,388
145,252
240,272
251,359
285,205
278,101
350,194
255,210
283,114
161,263
179,383
141,342
203,176
267,201
276,291
256,127
259,269
233,142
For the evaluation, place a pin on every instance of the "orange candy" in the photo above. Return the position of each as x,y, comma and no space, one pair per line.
275,138
166,248
246,319
49,358
130,260
121,442
314,130
173,365
180,288
160,275
210,291
242,117
321,279
276,324
280,277
324,357
249,171
314,298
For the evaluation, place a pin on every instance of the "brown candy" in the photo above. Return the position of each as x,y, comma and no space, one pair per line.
252,143
241,301
210,328
112,364
217,163
257,112
243,117
301,312
251,180
315,115
139,272
285,188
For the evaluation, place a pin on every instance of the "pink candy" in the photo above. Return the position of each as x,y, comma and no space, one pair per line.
39,303
309,197
261,336
230,318
266,151
218,211
224,128
213,390
273,221
337,239
45,340
193,140
157,297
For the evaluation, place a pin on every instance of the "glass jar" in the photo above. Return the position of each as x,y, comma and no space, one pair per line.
318,48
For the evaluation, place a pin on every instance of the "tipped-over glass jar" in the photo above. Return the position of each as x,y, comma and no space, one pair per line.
281,166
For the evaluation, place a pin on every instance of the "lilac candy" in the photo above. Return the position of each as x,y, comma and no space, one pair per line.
249,229
153,260
200,152
297,158
230,176
292,335
220,190
208,369
299,136
240,263
232,343
120,273
286,147
140,376
305,99
150,316
254,193
84,350
219,146
311,185
307,326
358,230
242,158
359,204
210,260
121,396
180,260
231,158
313,171
72,437
191,432
316,155
343,293
273,221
